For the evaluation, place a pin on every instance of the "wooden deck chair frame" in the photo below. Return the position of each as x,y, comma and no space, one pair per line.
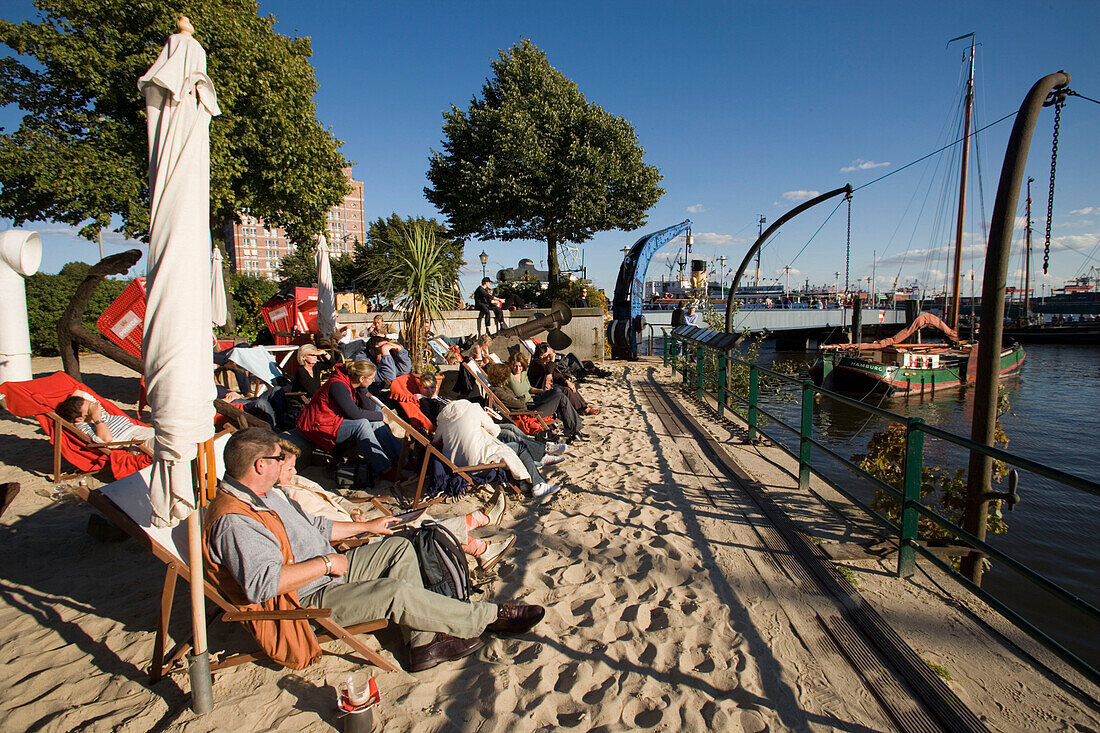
495,402
412,435
163,665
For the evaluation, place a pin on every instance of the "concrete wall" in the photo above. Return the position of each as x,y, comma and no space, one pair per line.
586,328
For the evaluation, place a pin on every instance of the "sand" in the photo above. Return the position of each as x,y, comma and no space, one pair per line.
662,613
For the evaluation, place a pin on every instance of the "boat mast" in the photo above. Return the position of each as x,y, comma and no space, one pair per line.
1027,258
968,106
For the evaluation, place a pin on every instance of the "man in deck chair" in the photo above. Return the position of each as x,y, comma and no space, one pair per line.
87,414
263,546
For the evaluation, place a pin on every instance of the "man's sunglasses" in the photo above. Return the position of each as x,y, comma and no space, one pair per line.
280,458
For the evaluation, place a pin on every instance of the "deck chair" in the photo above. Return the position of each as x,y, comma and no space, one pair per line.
472,475
439,349
259,363
496,404
126,504
39,398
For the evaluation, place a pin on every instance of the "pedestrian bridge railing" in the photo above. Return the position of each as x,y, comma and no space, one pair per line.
712,373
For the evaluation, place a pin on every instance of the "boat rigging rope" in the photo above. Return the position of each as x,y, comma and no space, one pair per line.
1059,98
830,216
1071,93
934,152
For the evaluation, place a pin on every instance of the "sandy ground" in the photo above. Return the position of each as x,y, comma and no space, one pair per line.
662,613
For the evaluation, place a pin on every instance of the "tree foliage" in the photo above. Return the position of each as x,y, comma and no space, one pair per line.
79,153
533,159
299,269
249,293
385,238
48,296
943,489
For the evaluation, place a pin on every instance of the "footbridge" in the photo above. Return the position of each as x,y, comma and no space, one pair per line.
795,328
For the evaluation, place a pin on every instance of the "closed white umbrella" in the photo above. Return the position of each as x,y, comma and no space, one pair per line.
218,309
177,343
326,295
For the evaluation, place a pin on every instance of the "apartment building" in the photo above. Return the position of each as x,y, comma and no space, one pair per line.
255,249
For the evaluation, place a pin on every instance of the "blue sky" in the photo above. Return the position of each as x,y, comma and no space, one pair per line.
744,107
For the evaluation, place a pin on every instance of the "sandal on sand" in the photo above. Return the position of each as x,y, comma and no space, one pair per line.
592,411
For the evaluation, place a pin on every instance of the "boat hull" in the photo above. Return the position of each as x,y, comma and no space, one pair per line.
855,375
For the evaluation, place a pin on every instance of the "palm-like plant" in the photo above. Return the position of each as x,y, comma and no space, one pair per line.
417,267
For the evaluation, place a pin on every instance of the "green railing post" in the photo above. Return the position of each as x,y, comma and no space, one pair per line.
754,396
804,434
721,384
699,356
665,354
914,466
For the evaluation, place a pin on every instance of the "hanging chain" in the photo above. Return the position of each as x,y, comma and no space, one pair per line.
848,247
1060,100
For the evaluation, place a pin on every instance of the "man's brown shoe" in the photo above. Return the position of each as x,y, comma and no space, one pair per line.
442,648
516,618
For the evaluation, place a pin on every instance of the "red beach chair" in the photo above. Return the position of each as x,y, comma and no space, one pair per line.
40,397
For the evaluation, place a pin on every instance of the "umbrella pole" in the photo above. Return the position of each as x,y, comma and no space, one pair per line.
198,664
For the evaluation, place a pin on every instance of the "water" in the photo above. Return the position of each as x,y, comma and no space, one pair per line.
1055,420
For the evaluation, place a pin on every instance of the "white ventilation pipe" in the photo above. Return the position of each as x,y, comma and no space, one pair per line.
20,256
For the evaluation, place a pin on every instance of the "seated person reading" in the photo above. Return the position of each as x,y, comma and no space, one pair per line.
263,551
470,438
320,503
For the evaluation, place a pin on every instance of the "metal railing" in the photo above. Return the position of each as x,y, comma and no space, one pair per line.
704,370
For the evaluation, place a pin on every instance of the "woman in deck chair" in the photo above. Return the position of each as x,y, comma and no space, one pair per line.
548,402
335,415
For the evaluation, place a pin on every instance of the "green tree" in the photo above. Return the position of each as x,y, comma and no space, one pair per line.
299,269
385,237
533,159
48,296
249,293
79,155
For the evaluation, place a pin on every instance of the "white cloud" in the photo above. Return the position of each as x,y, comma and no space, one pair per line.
64,231
1085,211
859,164
718,239
795,272
800,195
696,209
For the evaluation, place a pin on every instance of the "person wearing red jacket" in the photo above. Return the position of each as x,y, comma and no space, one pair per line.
335,415
415,395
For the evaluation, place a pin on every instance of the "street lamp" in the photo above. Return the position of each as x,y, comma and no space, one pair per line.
484,261
722,275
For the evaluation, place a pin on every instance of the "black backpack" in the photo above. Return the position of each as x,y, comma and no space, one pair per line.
443,565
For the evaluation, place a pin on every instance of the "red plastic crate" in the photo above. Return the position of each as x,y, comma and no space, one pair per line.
124,319
297,315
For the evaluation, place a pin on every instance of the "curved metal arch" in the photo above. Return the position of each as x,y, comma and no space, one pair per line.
846,189
630,285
